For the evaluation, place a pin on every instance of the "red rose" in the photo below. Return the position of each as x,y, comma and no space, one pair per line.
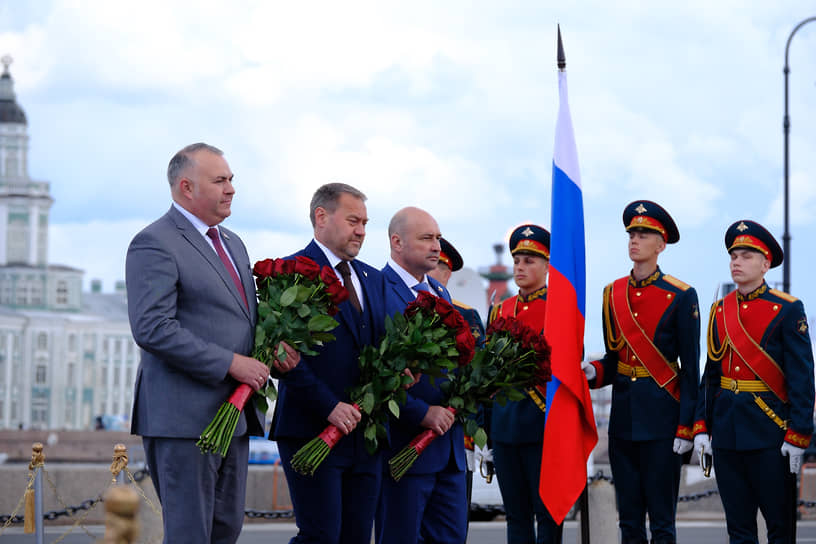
496,325
307,267
337,293
450,320
264,268
516,329
541,347
466,344
424,302
543,373
444,309
284,267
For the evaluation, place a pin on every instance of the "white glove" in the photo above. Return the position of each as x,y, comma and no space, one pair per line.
702,444
794,456
681,446
469,455
589,371
483,455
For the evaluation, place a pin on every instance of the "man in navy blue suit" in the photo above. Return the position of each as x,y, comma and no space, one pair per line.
338,503
428,504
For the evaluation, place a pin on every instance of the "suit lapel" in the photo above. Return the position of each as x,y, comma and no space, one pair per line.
244,272
403,291
208,253
439,289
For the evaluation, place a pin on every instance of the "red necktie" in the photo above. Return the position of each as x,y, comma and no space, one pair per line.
212,232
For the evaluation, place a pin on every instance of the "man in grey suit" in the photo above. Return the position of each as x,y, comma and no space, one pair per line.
192,308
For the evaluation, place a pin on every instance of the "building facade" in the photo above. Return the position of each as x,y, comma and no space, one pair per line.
66,356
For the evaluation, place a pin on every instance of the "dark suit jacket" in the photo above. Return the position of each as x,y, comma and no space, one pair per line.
188,319
310,391
421,396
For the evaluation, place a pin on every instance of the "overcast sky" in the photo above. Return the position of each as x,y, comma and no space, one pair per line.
449,106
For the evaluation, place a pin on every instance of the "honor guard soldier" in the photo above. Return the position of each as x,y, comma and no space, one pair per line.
449,262
517,428
756,404
652,336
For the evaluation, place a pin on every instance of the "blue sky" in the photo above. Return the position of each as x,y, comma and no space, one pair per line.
447,106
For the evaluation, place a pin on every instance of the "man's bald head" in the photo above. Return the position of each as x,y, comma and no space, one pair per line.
414,236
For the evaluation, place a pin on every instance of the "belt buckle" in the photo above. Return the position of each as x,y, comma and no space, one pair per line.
734,386
634,374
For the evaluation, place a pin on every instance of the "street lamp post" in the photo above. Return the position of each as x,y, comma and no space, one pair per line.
786,128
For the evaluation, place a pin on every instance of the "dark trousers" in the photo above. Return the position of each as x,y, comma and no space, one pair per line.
337,504
518,469
424,508
202,496
647,479
751,480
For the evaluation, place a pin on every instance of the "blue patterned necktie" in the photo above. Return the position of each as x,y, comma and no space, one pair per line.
422,286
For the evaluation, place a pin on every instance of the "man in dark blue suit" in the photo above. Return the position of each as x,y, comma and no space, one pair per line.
428,504
338,503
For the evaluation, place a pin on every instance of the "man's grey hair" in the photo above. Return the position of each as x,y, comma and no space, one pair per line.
183,160
327,197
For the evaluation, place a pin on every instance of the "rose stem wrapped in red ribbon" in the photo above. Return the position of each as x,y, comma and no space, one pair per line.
405,459
308,458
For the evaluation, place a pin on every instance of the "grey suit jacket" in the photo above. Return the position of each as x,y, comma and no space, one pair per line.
188,319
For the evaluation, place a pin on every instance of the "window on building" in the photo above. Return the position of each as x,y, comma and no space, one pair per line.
69,374
128,374
116,374
39,412
2,410
62,292
72,343
42,341
103,375
69,414
41,375
22,295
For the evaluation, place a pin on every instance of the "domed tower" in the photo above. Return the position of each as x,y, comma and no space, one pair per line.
24,203
26,278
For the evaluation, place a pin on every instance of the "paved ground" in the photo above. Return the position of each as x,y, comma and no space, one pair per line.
689,532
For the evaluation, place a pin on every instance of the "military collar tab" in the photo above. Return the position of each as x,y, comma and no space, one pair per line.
753,294
645,281
538,293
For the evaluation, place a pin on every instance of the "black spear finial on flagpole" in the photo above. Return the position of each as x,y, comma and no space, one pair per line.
562,59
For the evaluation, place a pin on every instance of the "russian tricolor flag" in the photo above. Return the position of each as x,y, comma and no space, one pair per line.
570,433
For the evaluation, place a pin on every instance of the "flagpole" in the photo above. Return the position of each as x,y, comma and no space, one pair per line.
583,500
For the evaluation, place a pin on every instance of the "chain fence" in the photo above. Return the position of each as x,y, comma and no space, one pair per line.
477,511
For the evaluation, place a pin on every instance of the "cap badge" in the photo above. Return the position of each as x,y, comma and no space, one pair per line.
527,232
640,209
742,227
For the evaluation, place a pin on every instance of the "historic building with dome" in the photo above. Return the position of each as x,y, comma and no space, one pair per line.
66,356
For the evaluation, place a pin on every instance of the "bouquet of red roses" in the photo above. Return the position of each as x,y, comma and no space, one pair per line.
515,357
296,301
429,337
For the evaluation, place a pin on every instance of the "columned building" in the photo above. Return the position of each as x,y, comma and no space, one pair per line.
65,356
